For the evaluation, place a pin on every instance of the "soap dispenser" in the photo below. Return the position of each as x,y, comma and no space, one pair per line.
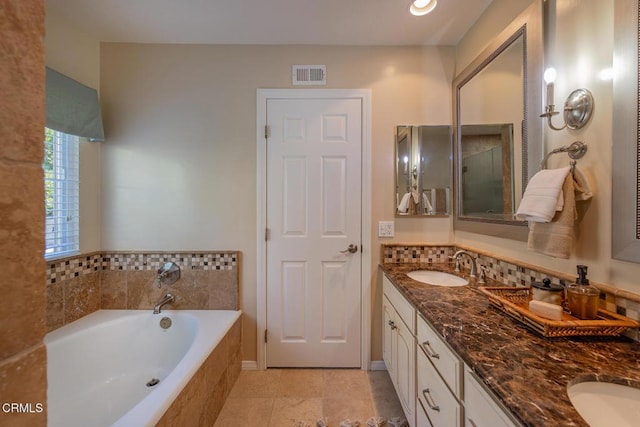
582,298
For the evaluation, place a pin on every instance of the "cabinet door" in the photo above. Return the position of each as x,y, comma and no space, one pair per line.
405,356
480,408
388,323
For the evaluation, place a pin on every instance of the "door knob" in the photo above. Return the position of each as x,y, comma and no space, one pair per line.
352,249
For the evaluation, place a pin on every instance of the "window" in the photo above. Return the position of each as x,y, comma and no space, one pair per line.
60,194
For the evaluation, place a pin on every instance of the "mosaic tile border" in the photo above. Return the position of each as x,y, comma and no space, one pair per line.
416,254
67,268
505,272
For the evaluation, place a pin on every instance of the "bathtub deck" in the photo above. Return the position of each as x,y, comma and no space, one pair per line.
282,397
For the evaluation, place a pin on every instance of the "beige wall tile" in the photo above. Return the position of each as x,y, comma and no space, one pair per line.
81,296
24,296
24,379
22,83
142,290
55,306
113,289
191,290
223,289
21,256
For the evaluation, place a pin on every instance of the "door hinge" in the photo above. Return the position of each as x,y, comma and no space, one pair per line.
266,131
265,335
267,234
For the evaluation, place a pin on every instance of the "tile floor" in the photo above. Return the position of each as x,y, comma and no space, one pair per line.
285,397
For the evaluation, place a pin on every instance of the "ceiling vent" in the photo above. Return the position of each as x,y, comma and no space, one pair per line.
309,75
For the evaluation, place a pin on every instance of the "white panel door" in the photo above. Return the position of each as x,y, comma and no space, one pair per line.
313,185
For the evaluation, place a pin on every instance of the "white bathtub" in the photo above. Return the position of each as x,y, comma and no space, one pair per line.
98,366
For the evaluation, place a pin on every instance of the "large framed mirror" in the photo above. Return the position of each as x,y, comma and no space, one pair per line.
498,133
423,170
625,228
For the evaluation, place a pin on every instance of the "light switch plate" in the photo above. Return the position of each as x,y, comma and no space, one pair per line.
386,229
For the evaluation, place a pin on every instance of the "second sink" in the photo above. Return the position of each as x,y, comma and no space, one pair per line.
604,404
437,278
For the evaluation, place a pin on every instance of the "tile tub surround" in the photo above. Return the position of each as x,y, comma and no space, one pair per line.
79,285
528,374
202,399
509,272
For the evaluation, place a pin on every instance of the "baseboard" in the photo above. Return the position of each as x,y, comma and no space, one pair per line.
378,365
249,365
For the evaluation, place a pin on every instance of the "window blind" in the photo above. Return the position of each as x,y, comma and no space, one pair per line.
61,185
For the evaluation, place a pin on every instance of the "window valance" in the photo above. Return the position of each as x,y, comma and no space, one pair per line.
72,107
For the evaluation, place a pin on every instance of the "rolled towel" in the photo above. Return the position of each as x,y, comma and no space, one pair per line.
404,203
543,196
426,204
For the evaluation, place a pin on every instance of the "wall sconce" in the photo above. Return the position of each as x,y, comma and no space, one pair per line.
577,108
422,7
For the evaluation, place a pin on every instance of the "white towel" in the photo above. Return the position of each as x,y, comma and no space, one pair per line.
404,203
427,205
543,196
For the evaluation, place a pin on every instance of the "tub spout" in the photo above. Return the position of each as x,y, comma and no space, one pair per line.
168,298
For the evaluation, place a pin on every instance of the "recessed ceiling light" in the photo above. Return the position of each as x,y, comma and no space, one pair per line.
422,7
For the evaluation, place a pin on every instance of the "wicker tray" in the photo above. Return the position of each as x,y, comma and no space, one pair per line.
515,303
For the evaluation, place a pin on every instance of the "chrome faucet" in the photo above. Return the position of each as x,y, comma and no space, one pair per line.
474,267
168,298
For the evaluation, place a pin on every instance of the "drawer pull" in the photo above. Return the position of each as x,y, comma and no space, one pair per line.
428,399
392,324
427,349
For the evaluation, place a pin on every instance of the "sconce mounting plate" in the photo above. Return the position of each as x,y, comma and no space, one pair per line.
578,108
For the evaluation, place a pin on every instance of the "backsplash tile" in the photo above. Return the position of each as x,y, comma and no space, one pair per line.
506,272
80,285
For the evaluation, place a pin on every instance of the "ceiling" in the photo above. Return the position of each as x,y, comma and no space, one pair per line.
326,22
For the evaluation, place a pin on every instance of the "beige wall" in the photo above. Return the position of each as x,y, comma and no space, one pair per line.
581,55
77,55
23,374
494,19
179,163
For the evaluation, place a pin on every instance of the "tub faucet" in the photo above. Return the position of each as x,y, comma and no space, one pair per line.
168,298
474,267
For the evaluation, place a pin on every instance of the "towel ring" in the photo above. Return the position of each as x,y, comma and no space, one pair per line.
575,151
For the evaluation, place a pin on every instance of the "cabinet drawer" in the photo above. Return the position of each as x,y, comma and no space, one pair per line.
404,308
446,362
435,397
481,410
421,416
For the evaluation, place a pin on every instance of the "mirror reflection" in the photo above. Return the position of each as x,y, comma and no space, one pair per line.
491,112
423,170
487,171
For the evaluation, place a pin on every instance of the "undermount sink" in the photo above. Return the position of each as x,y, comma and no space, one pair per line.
606,404
437,278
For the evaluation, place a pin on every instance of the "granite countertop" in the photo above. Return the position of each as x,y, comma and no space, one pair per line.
528,373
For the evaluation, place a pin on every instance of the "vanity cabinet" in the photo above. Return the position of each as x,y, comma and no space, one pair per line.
481,410
399,347
434,386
